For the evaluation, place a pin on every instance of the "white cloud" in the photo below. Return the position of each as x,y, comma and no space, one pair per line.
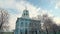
31,8
12,21
57,4
57,20
6,3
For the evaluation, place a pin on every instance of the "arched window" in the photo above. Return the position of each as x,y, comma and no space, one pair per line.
21,24
24,14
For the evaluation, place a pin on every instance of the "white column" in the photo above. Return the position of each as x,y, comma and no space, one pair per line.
24,26
37,31
27,29
19,29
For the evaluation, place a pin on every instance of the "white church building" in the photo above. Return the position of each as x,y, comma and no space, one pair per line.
26,25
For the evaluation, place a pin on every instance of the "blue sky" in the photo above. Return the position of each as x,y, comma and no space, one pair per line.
35,7
52,6
47,5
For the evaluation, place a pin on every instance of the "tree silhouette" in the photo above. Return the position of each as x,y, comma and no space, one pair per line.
49,24
4,20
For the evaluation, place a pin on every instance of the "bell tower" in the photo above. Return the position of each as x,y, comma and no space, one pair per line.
25,13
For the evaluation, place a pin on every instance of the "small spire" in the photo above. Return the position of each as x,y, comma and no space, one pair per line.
25,7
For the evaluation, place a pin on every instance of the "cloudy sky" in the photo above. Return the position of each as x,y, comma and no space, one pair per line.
35,7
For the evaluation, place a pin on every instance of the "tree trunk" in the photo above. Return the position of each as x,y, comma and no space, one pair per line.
46,30
54,31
